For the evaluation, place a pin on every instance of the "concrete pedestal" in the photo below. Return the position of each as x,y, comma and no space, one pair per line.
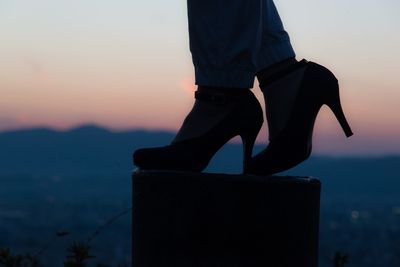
216,220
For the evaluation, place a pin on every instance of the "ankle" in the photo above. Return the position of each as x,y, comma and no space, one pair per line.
264,74
222,90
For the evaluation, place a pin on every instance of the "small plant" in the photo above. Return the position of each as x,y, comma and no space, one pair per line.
7,259
79,254
340,259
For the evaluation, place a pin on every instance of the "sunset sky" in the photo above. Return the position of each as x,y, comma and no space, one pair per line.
126,64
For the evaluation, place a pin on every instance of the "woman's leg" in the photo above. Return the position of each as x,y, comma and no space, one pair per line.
294,93
225,38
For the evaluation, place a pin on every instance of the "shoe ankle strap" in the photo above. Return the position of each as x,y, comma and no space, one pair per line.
219,98
282,73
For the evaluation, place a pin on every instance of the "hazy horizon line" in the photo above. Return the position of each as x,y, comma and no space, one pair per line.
234,141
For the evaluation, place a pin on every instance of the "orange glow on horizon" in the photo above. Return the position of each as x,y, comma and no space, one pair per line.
188,85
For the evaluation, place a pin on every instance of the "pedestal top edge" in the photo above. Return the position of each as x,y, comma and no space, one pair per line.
205,175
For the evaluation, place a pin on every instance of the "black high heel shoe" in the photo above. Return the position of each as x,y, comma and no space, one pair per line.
293,99
216,117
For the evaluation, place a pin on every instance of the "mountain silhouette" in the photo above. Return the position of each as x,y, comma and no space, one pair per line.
88,149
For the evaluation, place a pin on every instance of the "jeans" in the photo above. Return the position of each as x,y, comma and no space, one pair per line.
231,40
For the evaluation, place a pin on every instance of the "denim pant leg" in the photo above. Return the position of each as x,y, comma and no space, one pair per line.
225,36
230,40
275,41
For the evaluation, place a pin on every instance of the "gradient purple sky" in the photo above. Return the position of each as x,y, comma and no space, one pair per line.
125,64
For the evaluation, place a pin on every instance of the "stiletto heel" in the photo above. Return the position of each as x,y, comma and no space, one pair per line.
248,140
335,105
